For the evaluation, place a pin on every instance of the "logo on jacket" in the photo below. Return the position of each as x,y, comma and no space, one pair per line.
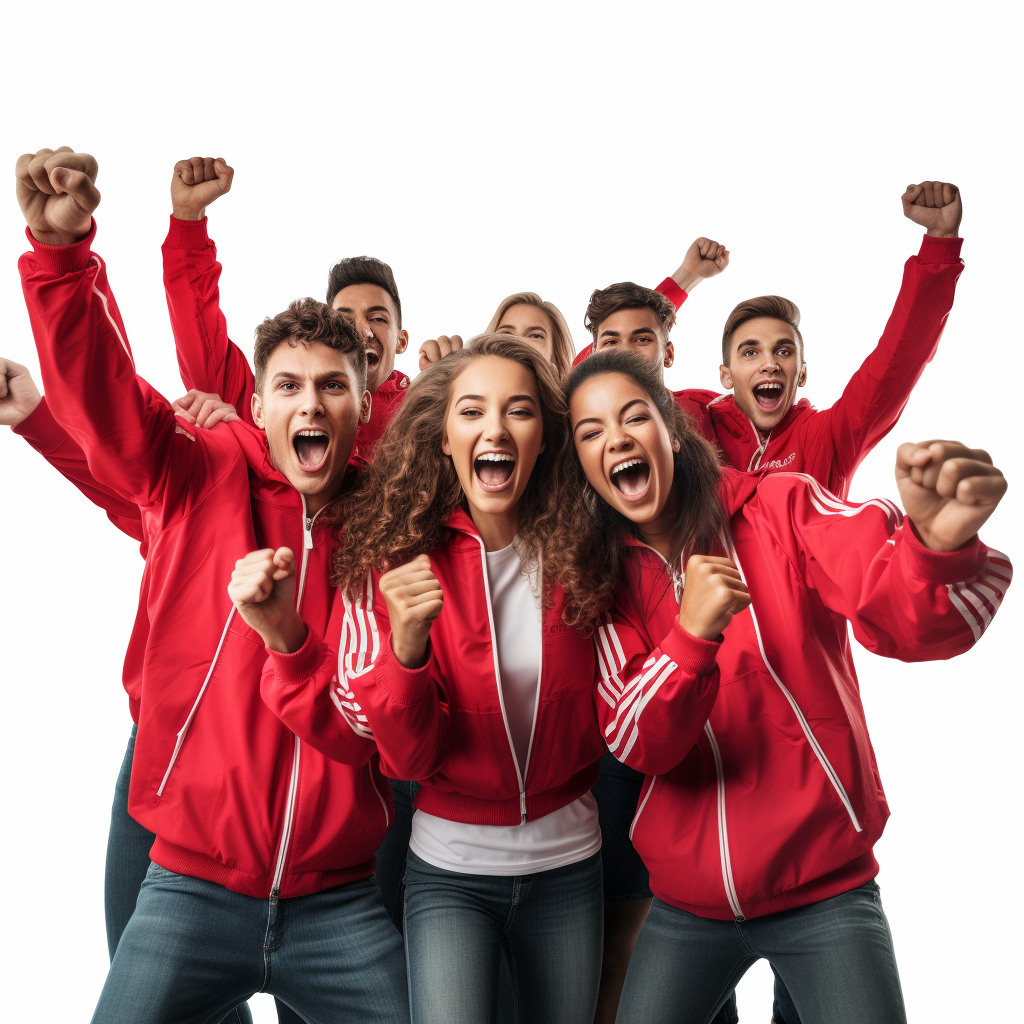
780,463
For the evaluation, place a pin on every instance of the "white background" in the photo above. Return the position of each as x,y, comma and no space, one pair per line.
482,149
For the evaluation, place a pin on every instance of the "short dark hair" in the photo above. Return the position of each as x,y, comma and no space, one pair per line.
627,295
774,306
307,322
363,270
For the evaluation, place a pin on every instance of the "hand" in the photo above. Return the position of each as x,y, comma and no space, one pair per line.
57,194
19,395
262,588
436,349
705,258
414,600
947,490
935,205
203,410
714,592
196,183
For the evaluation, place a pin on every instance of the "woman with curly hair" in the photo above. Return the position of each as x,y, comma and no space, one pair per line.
732,687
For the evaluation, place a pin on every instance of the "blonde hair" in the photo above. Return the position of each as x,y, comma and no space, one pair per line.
562,348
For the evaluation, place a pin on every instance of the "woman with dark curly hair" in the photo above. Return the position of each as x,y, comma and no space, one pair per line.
732,686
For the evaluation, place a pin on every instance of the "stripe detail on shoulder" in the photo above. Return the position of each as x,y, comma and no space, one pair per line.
829,504
357,651
979,598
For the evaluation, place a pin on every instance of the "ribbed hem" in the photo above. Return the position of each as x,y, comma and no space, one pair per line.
940,250
848,877
58,260
41,430
476,811
689,652
187,234
672,292
301,665
940,566
198,865
402,685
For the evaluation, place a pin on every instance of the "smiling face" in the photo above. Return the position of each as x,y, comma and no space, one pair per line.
493,433
532,325
765,368
626,450
638,331
376,319
310,406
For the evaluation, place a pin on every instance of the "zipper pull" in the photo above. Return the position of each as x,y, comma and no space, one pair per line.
308,532
522,808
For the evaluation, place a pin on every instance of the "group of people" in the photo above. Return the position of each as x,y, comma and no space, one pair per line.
519,691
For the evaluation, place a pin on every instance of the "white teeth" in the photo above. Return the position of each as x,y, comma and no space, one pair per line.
311,433
769,384
627,465
494,457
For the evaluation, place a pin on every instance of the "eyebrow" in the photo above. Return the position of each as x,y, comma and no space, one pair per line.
595,419
509,327
480,398
319,378
369,309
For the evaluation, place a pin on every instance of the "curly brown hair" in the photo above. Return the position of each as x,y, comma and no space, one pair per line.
399,507
588,555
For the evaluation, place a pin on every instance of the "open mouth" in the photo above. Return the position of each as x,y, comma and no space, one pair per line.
631,477
768,394
311,448
494,470
372,356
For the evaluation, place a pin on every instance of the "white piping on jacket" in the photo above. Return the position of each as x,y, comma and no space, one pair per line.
723,828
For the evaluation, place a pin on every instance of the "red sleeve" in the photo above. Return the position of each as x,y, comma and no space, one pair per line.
51,440
208,359
672,292
406,708
127,431
678,679
875,396
302,690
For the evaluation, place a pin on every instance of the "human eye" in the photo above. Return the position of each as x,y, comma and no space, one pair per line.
639,417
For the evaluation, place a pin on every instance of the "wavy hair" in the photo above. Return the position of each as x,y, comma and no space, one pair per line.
562,348
400,505
588,556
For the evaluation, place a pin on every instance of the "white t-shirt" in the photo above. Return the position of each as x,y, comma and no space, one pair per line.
566,836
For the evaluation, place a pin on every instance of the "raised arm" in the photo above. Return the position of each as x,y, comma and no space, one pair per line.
705,258
876,395
207,358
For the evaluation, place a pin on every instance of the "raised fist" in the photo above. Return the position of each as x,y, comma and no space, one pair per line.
202,409
262,588
57,194
935,205
196,183
19,395
434,350
414,600
947,490
714,592
705,258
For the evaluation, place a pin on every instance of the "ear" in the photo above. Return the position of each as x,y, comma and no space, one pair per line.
802,379
257,410
675,444
725,376
670,354
445,446
403,342
365,406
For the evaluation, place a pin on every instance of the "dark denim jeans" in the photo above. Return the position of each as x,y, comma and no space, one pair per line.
193,950
549,924
836,959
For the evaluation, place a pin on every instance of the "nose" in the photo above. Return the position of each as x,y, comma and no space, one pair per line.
311,404
494,426
618,439
770,363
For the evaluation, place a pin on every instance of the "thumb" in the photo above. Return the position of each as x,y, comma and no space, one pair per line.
78,185
284,563
225,174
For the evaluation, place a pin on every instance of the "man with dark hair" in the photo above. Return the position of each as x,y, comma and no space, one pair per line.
262,864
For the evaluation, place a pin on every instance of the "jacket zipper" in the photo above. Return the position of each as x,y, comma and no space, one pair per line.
761,449
723,828
520,775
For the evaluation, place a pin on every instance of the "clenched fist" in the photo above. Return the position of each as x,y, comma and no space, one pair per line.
19,395
196,183
947,490
705,258
713,594
262,588
414,600
57,194
936,206
434,350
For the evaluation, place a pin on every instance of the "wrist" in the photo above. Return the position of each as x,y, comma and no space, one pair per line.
288,636
942,233
686,280
185,213
410,652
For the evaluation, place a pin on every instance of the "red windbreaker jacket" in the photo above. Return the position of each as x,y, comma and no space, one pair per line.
444,724
762,792
208,359
232,795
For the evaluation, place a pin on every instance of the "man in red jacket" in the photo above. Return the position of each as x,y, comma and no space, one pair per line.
262,866
761,425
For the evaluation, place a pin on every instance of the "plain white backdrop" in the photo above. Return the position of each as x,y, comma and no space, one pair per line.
483,149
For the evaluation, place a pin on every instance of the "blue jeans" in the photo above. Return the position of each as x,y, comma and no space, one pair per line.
193,950
550,925
835,957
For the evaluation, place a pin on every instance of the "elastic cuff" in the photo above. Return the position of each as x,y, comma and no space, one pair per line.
187,234
301,665
58,260
41,430
940,566
940,250
672,292
402,685
689,652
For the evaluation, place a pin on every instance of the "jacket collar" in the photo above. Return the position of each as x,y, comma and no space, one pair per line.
726,413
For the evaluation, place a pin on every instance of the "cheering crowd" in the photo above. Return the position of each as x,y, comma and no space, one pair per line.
521,691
